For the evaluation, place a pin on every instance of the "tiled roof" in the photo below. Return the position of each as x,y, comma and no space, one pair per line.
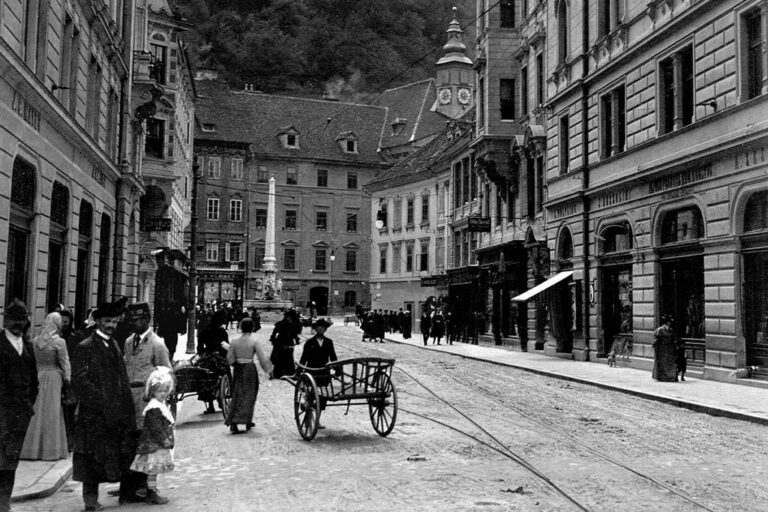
426,162
412,103
256,118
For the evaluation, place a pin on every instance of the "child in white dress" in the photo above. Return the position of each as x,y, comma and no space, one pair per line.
155,451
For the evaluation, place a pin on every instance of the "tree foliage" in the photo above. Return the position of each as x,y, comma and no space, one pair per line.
312,45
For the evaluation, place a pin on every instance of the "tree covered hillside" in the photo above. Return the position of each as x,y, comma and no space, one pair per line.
310,46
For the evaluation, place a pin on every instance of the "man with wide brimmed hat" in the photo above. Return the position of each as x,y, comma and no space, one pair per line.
18,391
104,446
318,350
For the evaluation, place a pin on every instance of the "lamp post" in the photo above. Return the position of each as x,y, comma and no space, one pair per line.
192,291
332,258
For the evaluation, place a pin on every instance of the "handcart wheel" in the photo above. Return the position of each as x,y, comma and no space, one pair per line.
306,407
225,394
383,411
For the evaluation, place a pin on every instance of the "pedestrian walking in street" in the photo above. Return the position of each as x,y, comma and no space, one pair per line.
242,356
170,324
406,324
426,324
664,362
212,348
104,443
154,453
18,392
46,437
284,337
145,351
437,329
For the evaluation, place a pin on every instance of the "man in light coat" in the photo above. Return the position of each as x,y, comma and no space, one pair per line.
144,351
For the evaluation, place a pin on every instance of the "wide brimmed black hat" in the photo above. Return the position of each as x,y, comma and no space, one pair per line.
138,308
110,309
16,310
322,322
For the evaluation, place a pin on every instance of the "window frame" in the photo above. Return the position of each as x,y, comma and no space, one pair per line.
260,218
213,168
289,258
291,220
352,182
322,178
213,214
321,220
292,176
236,207
212,249
236,166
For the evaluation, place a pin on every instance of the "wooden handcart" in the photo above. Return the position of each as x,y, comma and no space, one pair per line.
191,379
358,381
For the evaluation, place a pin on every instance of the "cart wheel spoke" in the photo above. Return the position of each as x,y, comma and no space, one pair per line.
383,411
305,407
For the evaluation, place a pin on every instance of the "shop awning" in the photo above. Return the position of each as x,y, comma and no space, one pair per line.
549,283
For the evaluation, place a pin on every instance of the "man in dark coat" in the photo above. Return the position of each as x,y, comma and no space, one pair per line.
104,447
18,391
318,351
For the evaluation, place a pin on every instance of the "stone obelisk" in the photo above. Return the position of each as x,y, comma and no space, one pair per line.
270,265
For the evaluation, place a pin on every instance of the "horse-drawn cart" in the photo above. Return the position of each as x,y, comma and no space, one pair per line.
358,381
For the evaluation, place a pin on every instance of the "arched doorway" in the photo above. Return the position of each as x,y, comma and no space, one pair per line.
681,287
754,243
319,295
19,257
615,244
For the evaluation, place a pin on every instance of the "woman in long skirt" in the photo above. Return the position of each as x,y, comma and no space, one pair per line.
664,346
46,437
241,355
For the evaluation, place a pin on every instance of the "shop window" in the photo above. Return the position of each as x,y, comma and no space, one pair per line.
616,238
682,225
756,212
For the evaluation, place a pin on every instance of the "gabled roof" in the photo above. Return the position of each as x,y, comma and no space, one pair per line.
412,104
427,161
256,119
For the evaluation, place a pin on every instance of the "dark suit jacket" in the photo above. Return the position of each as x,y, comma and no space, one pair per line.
106,415
18,391
316,356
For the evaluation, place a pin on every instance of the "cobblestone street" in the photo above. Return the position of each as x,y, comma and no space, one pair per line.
593,449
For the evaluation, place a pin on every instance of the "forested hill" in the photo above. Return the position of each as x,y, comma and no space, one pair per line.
311,46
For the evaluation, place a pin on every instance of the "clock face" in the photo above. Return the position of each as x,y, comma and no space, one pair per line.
464,96
444,96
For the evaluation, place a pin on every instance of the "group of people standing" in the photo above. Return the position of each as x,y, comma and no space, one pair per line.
123,429
376,323
433,325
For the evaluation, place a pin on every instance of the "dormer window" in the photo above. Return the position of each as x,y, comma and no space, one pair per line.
348,142
289,137
209,127
397,125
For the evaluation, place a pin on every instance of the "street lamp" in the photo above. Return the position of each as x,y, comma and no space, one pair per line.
332,257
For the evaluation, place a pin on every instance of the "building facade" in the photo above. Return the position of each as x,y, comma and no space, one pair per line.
320,153
633,158
69,197
163,85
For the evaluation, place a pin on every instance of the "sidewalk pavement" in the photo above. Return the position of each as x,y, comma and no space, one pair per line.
743,402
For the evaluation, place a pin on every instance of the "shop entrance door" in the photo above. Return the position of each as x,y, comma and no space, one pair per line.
682,296
756,308
616,304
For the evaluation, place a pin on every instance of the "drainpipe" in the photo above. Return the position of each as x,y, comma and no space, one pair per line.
585,173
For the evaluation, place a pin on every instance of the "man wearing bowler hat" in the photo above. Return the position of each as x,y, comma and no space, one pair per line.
18,391
104,445
144,352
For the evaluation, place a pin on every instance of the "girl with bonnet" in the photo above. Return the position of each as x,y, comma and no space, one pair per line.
154,454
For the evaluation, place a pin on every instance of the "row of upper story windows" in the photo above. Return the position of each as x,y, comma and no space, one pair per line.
213,166
408,260
233,252
321,222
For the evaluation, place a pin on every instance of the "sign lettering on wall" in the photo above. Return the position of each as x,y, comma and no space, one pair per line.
614,197
26,111
479,224
679,179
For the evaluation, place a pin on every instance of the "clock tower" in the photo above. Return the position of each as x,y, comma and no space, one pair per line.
455,77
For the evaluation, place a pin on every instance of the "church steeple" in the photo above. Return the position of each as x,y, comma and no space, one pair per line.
455,77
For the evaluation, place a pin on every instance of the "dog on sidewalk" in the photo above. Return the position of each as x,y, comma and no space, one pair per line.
611,358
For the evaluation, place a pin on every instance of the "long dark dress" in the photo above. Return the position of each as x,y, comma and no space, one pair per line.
245,387
664,362
213,356
284,337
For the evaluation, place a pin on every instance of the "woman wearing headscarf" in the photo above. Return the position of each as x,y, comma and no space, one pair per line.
242,356
46,437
